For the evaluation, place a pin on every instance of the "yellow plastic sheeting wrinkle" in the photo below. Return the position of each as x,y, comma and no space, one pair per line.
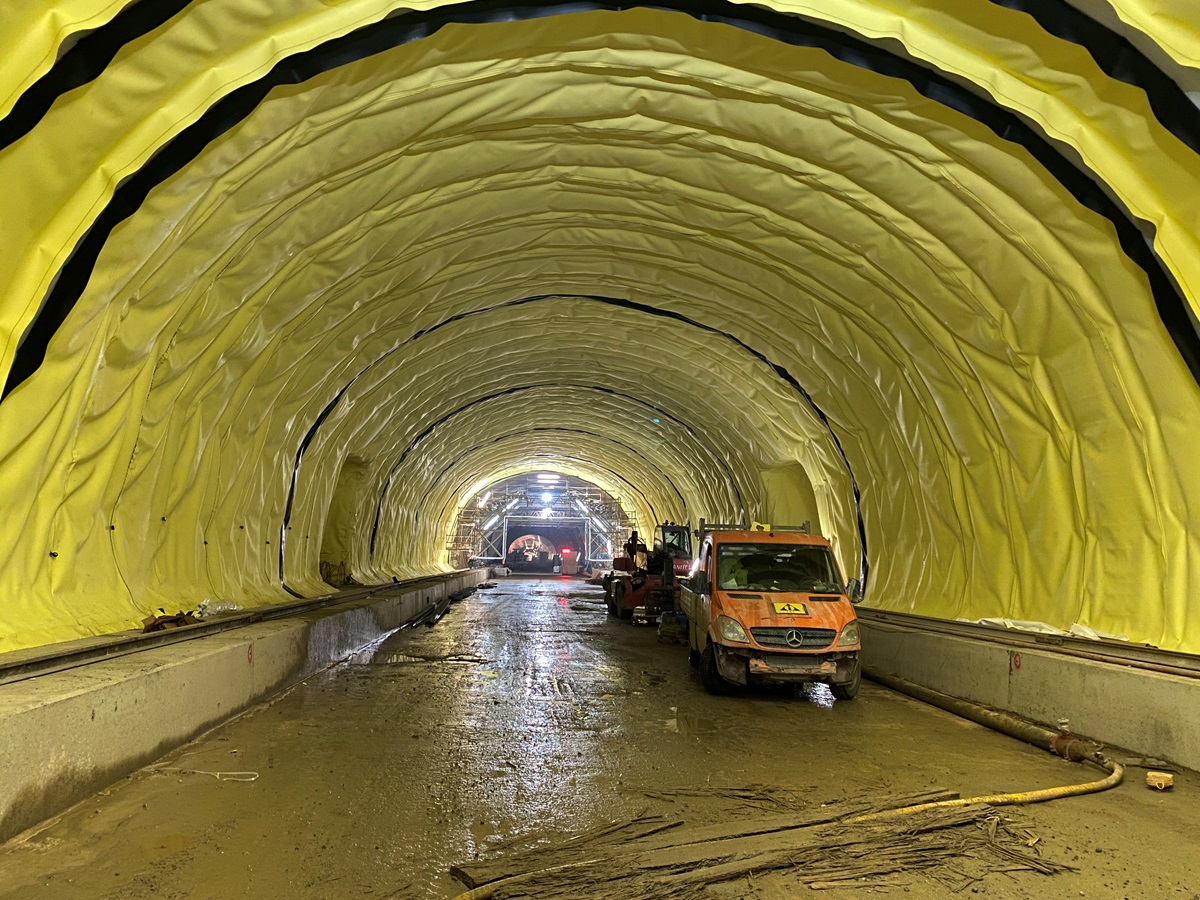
165,82
61,176
583,385
1172,24
1015,415
1057,85
33,34
1164,31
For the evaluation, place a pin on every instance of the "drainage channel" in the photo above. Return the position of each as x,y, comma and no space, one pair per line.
22,665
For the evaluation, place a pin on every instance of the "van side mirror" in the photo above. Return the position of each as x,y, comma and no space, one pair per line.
700,583
854,590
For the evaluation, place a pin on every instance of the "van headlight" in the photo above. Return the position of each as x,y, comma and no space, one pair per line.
732,630
849,635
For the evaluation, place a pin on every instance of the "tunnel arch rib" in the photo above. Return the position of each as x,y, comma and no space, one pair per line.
1179,318
449,247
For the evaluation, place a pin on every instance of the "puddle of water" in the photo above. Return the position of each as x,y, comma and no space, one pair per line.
819,694
588,608
690,723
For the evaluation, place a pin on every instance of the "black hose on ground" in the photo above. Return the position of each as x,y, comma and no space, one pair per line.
1060,743
1038,735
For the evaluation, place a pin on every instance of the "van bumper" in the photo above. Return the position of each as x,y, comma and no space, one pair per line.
746,666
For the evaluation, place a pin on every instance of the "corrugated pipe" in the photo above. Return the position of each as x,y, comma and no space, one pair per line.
1060,743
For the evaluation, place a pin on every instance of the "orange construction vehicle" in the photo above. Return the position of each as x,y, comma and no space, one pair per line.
771,606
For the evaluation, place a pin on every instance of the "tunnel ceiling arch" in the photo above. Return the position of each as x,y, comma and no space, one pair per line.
927,275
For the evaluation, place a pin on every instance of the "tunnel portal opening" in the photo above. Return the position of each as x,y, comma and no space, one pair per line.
548,550
537,521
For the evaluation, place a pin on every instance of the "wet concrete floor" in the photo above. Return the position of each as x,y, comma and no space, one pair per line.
528,712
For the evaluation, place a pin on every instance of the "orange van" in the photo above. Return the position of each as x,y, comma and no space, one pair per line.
771,606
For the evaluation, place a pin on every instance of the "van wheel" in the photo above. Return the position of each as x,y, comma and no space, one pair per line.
849,690
710,675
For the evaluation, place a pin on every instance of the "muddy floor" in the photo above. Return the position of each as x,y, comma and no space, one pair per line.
526,713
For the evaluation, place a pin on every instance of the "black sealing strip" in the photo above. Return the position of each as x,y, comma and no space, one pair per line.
1116,55
510,392
547,430
780,371
389,33
328,409
1118,59
89,56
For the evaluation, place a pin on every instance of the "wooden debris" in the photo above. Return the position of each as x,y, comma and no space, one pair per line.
167,621
652,858
531,852
753,796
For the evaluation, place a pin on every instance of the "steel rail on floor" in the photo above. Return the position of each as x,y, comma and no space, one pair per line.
19,665
1113,652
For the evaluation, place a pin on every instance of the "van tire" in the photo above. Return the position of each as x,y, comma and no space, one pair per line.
849,690
710,675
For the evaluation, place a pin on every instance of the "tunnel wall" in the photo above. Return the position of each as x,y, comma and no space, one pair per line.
68,734
939,258
1152,714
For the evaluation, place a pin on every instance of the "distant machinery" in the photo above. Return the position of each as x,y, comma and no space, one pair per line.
558,510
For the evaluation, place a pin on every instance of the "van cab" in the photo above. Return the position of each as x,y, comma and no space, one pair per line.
771,606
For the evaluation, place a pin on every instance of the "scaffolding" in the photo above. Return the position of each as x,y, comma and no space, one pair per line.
482,531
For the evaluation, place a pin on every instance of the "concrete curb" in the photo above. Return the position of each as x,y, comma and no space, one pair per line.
1150,713
66,735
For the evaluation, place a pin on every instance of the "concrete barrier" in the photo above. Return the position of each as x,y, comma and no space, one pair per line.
1150,713
66,735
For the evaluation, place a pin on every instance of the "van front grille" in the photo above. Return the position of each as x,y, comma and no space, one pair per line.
794,638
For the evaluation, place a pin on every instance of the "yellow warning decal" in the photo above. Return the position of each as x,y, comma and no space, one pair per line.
794,609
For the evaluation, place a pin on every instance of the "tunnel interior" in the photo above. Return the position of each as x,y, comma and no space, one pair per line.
286,290
537,521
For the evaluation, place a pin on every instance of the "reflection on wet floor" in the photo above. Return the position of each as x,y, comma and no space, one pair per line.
537,720
524,715
539,735
394,659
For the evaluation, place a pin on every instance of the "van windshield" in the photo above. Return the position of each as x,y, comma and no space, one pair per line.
777,567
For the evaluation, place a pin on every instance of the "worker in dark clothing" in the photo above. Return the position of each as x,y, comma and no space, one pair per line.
634,546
